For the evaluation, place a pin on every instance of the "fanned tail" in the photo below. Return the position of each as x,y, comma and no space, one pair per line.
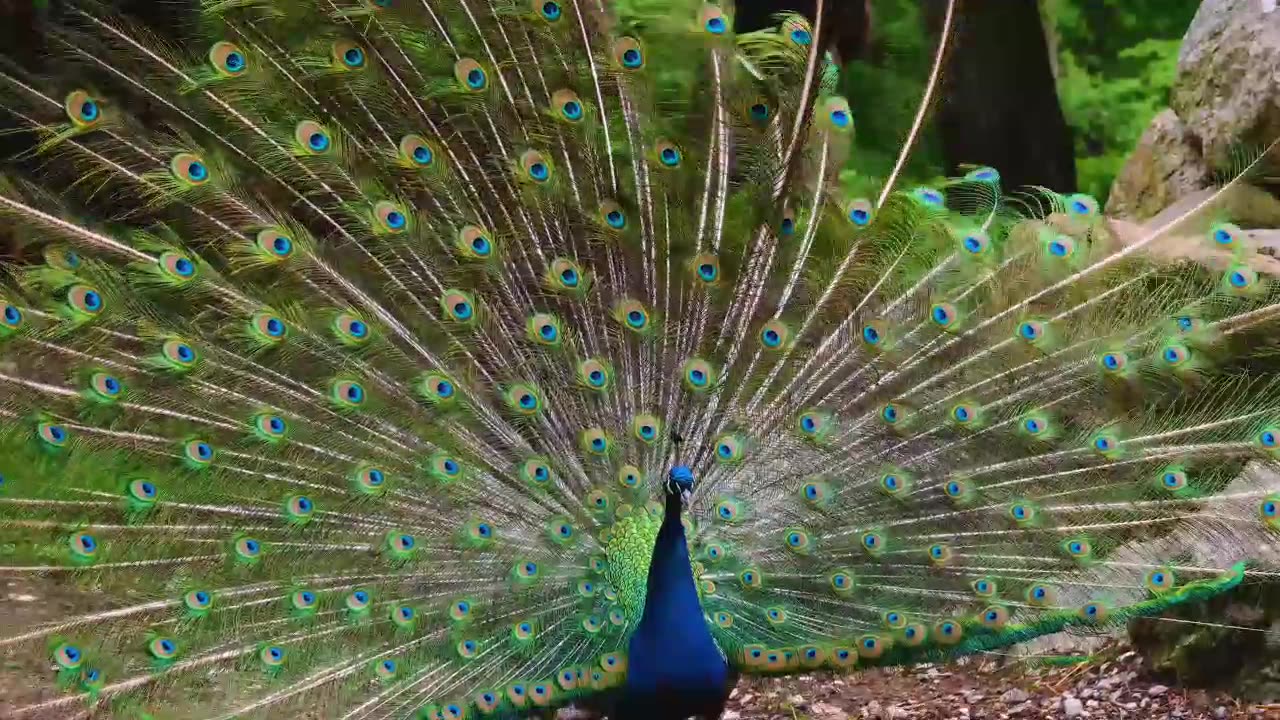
364,328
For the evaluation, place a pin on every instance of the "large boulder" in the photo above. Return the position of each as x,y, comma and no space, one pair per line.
1226,96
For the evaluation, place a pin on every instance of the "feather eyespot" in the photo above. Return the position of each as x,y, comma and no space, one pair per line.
228,59
633,315
797,31
859,212
198,601
1060,246
178,268
548,10
143,492
437,389
943,315
312,137
1159,580
84,547
712,20
268,327
303,600
82,109
841,582
871,646
11,318
1082,205
198,454
535,471
1173,479
403,616
179,355
523,399
68,656
347,394
544,329
995,617
836,114
247,549
1078,548
299,509
271,656
1041,595
458,306
668,154
613,215
706,268
729,449
416,152
91,680
894,483
274,244
698,375
391,217
798,541
105,387
350,330
369,481
939,553
189,169
628,53
629,477
594,374
1226,235
358,600
928,197
595,441
646,427
535,167
348,55
774,335
975,243
85,301
568,106
162,648
1240,278
471,75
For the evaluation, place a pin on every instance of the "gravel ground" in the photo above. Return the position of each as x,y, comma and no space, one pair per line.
1112,684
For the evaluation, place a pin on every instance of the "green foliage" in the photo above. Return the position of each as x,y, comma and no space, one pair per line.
885,93
1117,60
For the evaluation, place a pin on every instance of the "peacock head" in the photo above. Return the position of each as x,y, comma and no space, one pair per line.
680,482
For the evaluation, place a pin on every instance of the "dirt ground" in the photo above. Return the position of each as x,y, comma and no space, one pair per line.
1112,684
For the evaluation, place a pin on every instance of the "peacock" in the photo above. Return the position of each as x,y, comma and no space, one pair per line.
449,359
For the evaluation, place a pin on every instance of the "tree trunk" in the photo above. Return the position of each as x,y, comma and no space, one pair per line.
999,103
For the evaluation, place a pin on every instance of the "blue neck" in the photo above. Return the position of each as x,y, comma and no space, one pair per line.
672,651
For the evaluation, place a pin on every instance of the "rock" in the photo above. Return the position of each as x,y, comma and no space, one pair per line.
973,697
896,713
746,699
1220,712
1227,89
1166,165
1013,696
872,711
735,715
796,700
1157,690
825,711
1072,707
1227,93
